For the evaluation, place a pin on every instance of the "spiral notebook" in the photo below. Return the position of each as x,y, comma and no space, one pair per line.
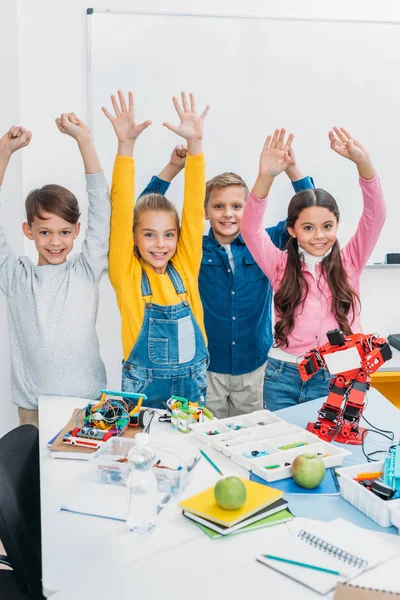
337,545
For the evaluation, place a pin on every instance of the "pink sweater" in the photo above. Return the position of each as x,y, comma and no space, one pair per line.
315,317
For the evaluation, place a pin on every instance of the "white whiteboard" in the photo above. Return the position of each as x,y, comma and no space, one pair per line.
257,74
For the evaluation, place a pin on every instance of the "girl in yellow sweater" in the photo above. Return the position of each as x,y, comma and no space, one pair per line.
154,265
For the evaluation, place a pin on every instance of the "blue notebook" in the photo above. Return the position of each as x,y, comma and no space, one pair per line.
328,487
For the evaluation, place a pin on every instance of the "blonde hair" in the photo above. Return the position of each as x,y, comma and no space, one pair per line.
156,202
223,180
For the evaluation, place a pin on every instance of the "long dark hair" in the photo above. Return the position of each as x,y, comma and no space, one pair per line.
294,288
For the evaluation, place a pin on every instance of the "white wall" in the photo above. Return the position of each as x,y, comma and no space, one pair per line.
11,198
52,68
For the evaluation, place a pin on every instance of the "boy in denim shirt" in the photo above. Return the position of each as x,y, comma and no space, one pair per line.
235,293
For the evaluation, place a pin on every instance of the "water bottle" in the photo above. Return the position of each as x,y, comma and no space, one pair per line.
142,487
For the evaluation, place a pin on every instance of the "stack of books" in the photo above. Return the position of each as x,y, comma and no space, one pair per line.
264,506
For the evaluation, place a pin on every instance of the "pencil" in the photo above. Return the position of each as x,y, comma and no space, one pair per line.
212,463
306,565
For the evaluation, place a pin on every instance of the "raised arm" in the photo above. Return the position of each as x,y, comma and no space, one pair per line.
95,245
273,160
279,234
17,137
359,248
126,129
298,179
160,183
191,128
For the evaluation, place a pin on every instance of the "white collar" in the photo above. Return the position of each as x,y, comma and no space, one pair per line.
310,259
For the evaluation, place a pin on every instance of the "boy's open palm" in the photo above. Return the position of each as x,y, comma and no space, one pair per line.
16,137
192,125
275,156
124,122
345,145
71,124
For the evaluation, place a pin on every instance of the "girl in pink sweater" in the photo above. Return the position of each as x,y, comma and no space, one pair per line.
316,284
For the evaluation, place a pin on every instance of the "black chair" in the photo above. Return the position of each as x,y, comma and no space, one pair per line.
20,514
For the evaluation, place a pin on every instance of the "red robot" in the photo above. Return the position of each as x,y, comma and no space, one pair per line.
350,359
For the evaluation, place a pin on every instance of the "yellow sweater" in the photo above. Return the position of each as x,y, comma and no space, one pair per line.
125,269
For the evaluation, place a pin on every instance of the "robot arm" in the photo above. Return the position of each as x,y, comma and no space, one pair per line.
310,365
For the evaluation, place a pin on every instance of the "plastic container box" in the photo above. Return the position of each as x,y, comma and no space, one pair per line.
380,511
105,465
276,441
107,469
171,482
395,513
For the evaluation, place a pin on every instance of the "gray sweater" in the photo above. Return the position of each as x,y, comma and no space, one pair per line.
52,313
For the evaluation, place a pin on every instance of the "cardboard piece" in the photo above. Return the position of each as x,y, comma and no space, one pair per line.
351,592
59,446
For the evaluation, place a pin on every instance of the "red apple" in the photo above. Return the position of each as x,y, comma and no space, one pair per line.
308,470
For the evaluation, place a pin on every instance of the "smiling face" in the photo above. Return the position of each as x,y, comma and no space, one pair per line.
315,229
156,238
53,236
224,211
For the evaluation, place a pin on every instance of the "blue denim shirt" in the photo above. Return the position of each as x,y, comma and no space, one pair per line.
237,306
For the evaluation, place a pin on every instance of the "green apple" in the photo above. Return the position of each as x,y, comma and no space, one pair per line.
230,493
308,470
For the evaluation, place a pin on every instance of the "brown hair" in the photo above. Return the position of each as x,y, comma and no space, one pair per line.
222,181
154,202
294,288
53,199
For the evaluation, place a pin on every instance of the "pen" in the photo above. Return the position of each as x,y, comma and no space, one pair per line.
212,463
163,502
306,565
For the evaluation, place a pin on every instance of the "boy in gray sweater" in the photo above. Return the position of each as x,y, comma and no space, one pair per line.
52,307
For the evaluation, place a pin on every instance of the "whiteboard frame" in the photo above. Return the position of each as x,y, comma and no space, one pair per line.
91,11
218,16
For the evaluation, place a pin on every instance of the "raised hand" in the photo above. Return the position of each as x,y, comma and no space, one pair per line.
175,165
275,156
342,143
292,170
72,125
345,145
178,157
124,123
16,137
191,126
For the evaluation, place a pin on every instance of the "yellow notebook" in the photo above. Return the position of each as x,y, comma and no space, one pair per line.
204,504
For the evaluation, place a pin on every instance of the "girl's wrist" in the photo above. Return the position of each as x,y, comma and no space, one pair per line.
262,185
126,148
366,169
195,146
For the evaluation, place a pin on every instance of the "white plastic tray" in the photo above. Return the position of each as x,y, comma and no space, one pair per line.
383,512
395,513
263,431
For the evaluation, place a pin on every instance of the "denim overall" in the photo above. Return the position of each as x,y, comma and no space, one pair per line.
170,357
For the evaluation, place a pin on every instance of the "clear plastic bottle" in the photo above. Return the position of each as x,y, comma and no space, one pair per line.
142,486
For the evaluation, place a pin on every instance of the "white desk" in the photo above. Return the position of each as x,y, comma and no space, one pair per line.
87,558
74,545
